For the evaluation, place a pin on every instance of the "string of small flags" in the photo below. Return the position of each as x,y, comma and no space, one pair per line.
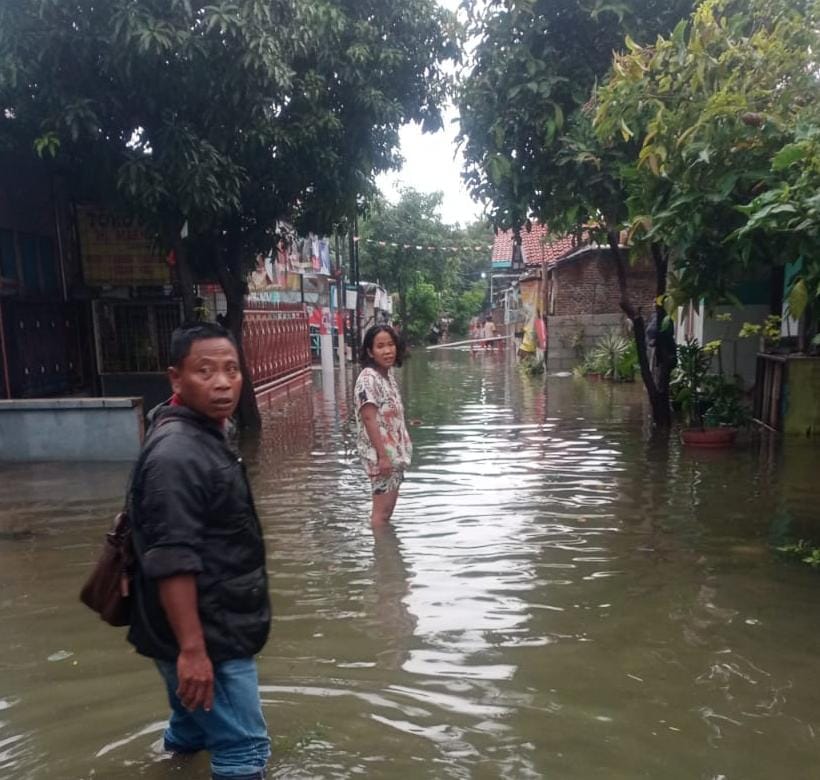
440,248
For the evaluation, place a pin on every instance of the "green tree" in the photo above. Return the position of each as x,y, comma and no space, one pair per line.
407,243
223,116
788,214
465,305
402,242
422,304
716,111
532,72
526,123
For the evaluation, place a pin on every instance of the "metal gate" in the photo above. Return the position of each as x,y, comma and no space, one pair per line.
45,351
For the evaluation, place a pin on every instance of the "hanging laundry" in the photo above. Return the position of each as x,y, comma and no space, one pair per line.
315,262
324,256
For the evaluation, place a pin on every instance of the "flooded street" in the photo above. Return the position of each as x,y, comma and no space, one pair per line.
560,596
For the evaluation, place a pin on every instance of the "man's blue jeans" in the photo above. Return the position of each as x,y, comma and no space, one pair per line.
233,732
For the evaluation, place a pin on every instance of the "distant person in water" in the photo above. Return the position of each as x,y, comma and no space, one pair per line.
489,334
383,441
475,333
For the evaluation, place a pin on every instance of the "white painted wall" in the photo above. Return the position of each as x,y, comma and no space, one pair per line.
739,356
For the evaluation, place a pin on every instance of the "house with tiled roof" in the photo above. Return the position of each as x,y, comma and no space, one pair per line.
571,283
536,246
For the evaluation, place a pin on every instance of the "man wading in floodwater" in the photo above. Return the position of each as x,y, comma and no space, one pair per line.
201,605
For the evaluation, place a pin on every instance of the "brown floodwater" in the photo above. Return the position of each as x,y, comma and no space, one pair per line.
560,596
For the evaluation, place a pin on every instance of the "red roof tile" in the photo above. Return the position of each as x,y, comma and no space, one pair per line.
536,246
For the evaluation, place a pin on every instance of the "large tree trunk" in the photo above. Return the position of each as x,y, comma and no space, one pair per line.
234,287
658,392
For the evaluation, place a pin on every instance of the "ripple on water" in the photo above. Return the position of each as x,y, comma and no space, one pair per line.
558,597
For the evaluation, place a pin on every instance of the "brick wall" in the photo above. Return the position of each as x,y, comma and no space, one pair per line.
589,285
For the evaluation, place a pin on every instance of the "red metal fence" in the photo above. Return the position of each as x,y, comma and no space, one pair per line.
276,342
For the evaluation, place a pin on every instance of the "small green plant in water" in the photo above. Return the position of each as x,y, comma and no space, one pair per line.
532,366
628,365
610,355
802,551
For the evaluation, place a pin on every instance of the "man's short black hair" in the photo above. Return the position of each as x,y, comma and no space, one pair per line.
189,332
366,359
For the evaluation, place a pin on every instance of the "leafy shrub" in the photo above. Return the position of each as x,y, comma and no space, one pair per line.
703,399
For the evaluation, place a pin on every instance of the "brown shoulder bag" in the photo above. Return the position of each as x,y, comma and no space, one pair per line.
108,588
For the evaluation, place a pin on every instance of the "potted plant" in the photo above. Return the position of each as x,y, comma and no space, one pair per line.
591,368
711,405
608,354
628,364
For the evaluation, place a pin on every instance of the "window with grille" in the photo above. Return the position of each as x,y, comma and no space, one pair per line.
134,337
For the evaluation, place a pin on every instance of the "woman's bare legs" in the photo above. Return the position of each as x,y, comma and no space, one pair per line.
383,506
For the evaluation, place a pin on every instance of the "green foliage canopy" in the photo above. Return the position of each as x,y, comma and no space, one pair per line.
429,264
718,113
532,73
227,115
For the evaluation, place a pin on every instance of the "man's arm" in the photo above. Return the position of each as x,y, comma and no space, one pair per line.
195,672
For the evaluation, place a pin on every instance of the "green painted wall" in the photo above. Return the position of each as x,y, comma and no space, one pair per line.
802,402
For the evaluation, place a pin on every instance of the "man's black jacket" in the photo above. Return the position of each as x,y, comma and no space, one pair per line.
192,512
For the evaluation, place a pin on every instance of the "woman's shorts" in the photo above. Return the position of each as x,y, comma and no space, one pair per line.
388,484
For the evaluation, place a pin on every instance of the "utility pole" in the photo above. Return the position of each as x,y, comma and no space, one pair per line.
356,266
354,278
341,304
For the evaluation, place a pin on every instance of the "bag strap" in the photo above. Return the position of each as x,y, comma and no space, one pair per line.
129,495
138,464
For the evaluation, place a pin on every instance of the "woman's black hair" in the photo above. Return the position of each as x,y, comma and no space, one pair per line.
366,359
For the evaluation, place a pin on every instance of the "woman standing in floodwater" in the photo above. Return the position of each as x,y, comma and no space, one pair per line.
383,441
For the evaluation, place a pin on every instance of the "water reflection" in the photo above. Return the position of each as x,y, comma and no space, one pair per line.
561,595
395,623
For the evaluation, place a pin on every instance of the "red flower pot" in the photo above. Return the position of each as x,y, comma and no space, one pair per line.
712,438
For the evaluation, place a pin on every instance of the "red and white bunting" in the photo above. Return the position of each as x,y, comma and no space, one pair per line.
428,248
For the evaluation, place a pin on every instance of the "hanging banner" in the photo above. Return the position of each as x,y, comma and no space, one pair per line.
117,251
324,256
271,275
304,255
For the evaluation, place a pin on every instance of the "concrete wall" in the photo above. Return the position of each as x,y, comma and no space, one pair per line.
107,429
739,356
584,330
